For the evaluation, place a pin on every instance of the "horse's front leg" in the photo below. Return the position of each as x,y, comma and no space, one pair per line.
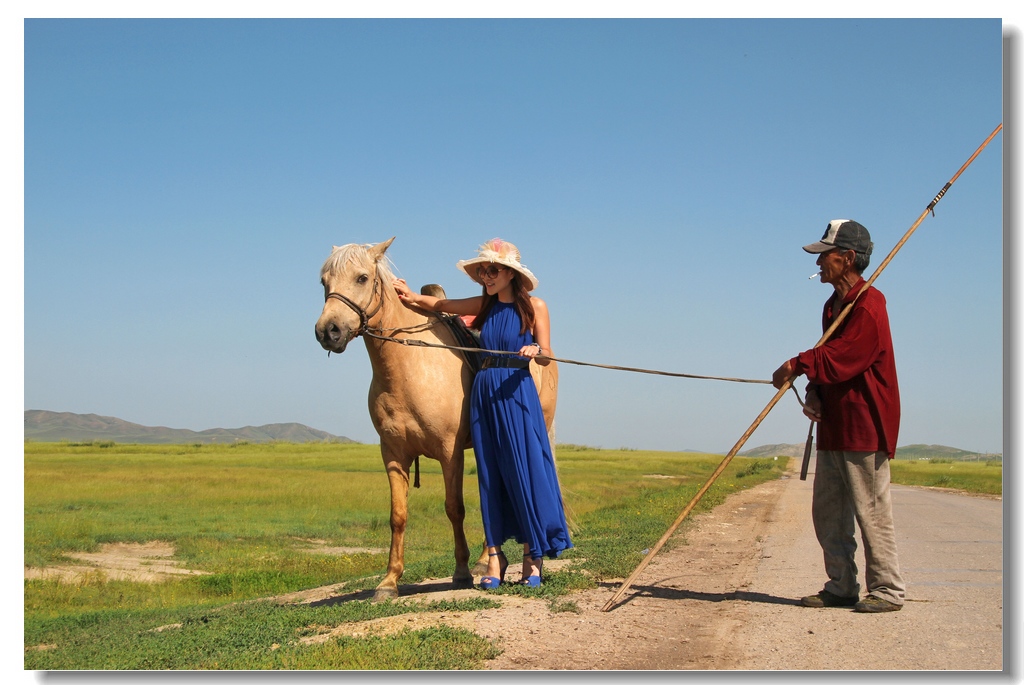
397,466
455,507
480,567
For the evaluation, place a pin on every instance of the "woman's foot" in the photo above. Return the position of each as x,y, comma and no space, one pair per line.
497,564
533,568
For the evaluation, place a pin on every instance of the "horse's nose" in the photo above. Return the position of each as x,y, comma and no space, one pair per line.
328,334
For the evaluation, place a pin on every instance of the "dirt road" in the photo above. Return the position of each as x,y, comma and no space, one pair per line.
728,600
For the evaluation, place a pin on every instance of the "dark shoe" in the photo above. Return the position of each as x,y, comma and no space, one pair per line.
827,599
875,605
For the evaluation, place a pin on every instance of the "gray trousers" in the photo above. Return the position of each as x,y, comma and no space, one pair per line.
850,485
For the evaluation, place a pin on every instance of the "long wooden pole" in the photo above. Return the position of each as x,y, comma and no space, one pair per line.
785,386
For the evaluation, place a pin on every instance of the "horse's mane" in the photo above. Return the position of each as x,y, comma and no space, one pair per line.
357,255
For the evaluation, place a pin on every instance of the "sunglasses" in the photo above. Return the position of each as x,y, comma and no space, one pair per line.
490,271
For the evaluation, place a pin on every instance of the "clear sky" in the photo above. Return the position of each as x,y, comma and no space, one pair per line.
185,179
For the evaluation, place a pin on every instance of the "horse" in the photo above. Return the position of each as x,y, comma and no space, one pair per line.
418,397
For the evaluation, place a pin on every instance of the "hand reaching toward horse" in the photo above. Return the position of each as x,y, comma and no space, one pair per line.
465,306
404,293
411,299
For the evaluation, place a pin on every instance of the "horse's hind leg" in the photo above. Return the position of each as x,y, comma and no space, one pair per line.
397,466
455,507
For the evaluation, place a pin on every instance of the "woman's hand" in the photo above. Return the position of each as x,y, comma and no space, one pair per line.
529,351
404,294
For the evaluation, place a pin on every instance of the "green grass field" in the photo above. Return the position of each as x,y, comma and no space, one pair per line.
246,514
970,476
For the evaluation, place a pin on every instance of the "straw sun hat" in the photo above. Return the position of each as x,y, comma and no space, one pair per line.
498,251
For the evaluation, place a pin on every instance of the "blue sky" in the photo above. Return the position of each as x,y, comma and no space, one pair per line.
184,181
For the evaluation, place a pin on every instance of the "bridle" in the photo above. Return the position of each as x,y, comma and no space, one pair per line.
364,316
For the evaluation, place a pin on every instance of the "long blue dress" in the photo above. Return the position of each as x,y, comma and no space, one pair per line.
519,493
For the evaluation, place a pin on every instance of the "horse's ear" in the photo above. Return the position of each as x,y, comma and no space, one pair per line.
378,250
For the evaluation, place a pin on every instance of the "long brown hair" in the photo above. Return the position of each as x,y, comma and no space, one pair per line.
520,298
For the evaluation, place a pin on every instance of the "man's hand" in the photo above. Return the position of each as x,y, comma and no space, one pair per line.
812,404
782,374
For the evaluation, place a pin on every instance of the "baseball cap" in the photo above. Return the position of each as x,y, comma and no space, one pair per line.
844,234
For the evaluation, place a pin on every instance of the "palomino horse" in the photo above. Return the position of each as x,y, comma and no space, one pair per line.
419,397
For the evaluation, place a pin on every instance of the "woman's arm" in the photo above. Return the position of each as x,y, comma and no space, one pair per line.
468,305
541,333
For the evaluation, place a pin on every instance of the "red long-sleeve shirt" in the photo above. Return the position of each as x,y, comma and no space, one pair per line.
855,374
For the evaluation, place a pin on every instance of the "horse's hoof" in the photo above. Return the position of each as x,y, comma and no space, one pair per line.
463,583
382,594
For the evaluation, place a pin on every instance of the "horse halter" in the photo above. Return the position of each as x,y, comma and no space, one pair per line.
364,316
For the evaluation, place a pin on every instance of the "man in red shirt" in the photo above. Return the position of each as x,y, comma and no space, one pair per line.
853,395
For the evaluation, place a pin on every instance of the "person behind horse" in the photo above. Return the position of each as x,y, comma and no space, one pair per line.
853,396
436,290
519,493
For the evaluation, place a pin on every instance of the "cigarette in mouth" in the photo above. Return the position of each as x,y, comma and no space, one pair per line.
812,276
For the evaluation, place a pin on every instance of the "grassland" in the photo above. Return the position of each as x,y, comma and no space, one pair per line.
245,515
969,476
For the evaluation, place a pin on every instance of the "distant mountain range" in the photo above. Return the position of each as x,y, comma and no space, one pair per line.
49,426
795,450
906,452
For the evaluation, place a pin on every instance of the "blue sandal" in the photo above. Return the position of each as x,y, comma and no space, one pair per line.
531,580
490,582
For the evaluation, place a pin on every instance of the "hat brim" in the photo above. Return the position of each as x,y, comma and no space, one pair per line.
818,247
468,267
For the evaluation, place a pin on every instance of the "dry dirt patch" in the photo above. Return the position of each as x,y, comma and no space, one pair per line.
152,562
396,624
149,562
317,546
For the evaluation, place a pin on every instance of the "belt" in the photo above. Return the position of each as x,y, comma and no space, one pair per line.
505,362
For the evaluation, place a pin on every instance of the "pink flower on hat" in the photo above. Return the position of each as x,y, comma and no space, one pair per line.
501,248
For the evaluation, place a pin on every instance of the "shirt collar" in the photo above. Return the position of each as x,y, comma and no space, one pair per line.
854,290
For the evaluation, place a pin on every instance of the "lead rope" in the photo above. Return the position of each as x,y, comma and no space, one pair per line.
412,342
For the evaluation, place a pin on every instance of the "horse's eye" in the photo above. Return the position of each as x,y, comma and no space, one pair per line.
363,278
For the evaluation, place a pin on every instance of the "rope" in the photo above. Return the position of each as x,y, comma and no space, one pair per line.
411,342
659,373
797,393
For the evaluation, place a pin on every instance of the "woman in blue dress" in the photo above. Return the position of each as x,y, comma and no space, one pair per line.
519,494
